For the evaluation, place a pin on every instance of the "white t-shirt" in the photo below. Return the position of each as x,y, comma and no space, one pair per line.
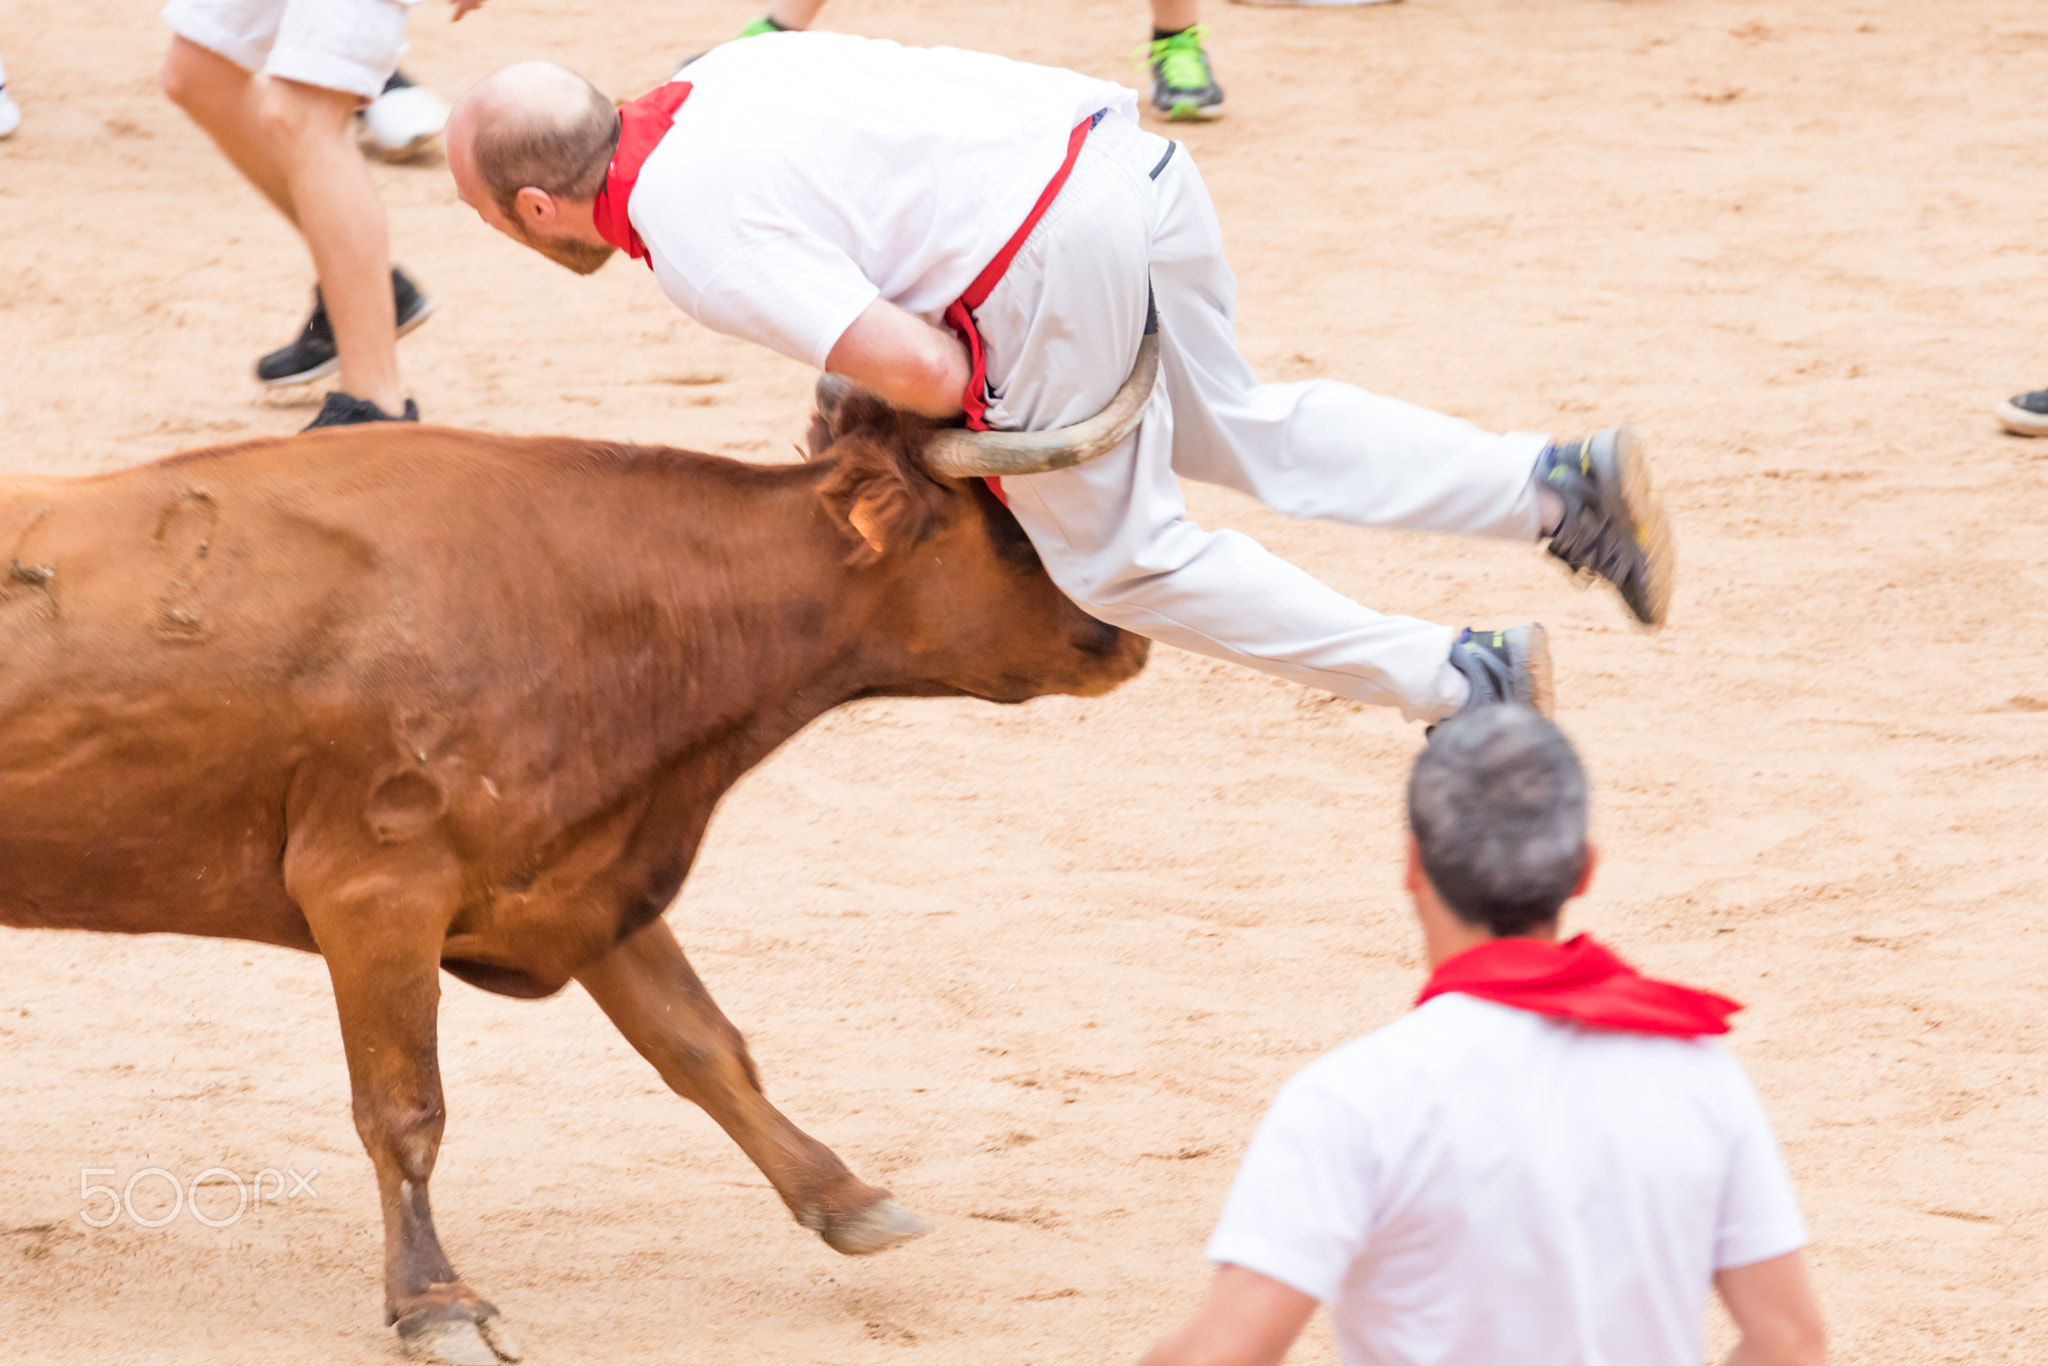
1476,1185
808,174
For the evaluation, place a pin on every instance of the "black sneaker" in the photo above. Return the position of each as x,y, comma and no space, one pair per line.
313,356
2026,414
1613,525
346,410
1183,83
1508,665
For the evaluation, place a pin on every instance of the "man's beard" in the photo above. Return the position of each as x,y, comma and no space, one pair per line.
582,257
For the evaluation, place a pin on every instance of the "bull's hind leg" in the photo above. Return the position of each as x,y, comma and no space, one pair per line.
381,934
652,994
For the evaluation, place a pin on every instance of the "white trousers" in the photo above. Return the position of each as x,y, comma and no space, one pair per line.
1061,329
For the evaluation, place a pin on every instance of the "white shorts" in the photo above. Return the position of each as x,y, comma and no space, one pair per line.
350,45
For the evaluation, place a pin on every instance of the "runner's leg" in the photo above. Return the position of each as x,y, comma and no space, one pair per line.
221,97
794,14
1061,329
1319,448
331,58
342,218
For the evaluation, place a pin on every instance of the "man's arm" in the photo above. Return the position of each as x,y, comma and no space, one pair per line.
1247,1320
1773,1307
904,359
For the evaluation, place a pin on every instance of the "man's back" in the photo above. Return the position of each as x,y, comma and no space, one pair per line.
1479,1184
813,172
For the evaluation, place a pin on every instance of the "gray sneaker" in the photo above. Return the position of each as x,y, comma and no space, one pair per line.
1508,665
1613,526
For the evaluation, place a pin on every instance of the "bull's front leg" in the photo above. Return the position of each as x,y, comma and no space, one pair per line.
380,934
655,997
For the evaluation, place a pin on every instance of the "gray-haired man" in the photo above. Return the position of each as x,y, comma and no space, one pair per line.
1546,1162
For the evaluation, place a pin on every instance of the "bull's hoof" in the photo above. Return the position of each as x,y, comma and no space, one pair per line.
880,1226
457,1331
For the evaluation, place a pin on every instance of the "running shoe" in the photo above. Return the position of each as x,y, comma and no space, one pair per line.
399,123
313,356
1508,665
1183,84
346,410
1613,525
2026,414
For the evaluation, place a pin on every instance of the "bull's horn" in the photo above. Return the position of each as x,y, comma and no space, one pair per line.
968,455
831,392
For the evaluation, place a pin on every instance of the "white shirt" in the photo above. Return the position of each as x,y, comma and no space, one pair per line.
1476,1185
809,174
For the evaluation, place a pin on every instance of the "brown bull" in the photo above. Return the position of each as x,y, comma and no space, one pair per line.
414,699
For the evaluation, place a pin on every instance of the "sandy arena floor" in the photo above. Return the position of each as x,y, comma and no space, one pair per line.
1040,969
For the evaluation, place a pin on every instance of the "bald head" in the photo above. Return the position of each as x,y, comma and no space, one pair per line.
533,124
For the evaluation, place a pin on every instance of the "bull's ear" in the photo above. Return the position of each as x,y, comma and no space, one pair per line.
818,439
877,498
831,394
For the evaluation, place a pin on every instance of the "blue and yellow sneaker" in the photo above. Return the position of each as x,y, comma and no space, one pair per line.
1508,665
1613,525
1183,85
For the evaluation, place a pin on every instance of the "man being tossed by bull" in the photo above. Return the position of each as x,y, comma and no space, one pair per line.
974,238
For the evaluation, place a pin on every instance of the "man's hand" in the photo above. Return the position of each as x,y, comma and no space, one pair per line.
1772,1305
903,358
1247,1320
461,7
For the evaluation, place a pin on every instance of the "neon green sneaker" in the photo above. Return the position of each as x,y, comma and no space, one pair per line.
1183,85
760,26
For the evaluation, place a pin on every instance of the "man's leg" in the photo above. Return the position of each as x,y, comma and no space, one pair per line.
794,14
1115,536
312,136
1318,448
1114,533
1329,450
222,98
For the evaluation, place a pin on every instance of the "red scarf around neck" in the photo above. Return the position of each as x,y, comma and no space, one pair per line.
642,125
1579,980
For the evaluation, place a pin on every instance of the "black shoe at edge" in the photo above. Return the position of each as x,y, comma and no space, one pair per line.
2025,414
346,410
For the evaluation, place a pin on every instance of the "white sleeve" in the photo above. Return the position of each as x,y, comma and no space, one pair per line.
792,293
1759,1217
1300,1208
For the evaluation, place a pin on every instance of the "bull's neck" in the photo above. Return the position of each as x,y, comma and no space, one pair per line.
767,625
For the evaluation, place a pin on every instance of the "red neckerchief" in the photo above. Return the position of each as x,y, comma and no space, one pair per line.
642,125
1579,980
